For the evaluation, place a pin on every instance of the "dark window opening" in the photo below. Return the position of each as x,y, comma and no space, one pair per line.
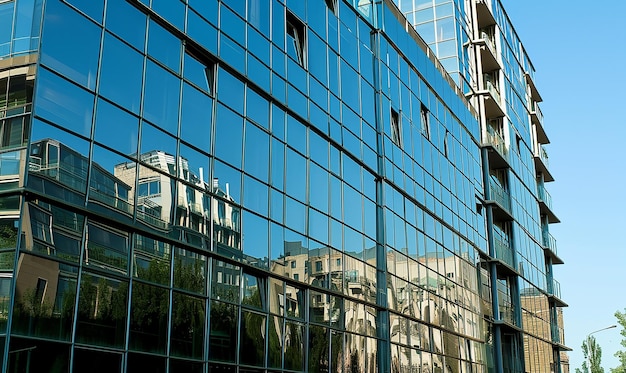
424,121
199,70
332,6
296,41
445,144
395,128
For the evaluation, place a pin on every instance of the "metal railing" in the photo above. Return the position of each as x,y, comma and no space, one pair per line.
549,242
494,139
493,90
554,288
544,196
500,195
537,111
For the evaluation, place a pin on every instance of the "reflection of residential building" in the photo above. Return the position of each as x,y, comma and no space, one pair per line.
317,193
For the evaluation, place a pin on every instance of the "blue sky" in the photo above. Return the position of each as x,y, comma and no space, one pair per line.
578,49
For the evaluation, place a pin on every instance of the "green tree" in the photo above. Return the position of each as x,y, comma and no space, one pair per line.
592,352
621,355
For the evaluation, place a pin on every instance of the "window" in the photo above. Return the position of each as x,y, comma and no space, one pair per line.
318,266
445,143
149,188
199,70
424,121
40,290
296,39
395,128
293,264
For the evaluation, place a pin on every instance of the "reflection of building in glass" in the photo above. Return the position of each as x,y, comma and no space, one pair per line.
226,186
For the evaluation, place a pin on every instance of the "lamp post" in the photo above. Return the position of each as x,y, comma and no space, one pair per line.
588,344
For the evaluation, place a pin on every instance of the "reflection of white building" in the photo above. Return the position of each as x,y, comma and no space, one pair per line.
193,206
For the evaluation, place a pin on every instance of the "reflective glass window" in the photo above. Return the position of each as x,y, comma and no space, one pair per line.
106,249
127,22
252,339
102,308
121,74
294,346
148,318
151,260
257,149
77,63
199,71
116,128
223,332
201,31
24,357
163,46
142,362
208,9
190,271
76,110
188,326
196,118
93,9
161,97
85,360
44,302
228,136
172,11
111,182
255,244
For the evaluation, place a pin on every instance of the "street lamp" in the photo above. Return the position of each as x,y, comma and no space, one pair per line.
588,344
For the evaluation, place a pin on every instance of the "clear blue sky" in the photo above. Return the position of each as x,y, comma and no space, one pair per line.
579,51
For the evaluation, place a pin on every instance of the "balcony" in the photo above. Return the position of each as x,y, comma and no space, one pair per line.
499,153
500,199
503,251
545,204
554,293
492,97
550,248
536,116
488,52
542,163
484,13
534,93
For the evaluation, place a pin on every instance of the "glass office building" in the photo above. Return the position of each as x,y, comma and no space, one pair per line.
272,186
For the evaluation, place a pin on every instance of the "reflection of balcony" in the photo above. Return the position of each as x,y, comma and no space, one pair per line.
501,201
109,200
68,175
545,204
536,117
550,248
554,292
499,153
541,163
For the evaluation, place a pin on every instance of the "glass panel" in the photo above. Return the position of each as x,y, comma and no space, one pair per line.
183,366
102,308
188,326
252,339
225,281
121,74
164,47
96,361
154,195
190,270
257,151
116,128
29,355
223,334
106,249
45,298
76,111
228,136
319,347
148,318
112,182
254,291
161,95
255,246
62,24
196,118
145,363
127,22
294,346
158,148
151,260
275,348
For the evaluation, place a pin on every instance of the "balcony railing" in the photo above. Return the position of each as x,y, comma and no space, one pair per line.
488,41
543,154
544,196
495,140
550,242
493,90
500,195
503,250
535,110
554,288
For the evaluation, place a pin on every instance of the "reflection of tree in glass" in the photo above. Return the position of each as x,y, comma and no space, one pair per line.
100,301
294,354
189,274
187,326
252,340
223,331
318,349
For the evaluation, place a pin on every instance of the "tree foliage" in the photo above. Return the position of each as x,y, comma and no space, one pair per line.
621,355
592,352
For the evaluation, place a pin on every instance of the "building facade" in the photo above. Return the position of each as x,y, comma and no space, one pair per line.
272,186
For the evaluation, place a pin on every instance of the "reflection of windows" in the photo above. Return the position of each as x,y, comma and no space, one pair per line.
293,264
296,276
40,290
318,266
296,39
445,143
13,132
149,188
424,121
338,262
395,128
